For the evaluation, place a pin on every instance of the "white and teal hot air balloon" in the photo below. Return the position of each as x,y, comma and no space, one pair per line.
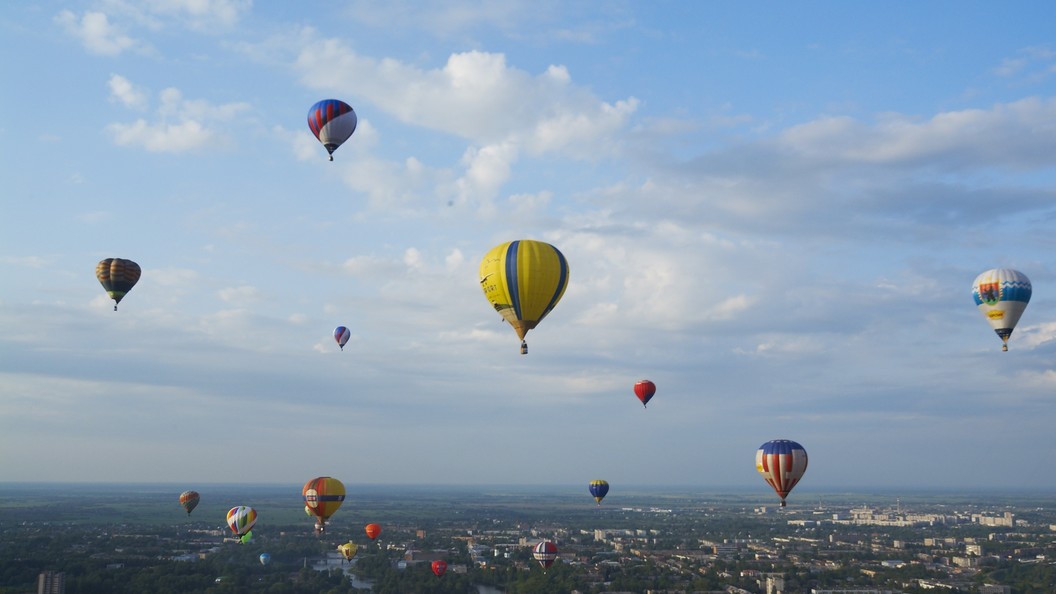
1001,295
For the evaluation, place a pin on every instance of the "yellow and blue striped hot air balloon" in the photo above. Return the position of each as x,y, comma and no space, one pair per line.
524,280
1002,294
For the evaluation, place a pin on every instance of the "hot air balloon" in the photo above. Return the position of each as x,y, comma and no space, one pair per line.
782,463
265,558
117,276
348,550
373,531
332,121
189,500
323,496
245,538
644,390
523,280
599,489
439,568
241,519
545,553
1001,295
341,335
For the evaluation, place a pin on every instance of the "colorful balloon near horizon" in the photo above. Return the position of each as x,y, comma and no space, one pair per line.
341,335
265,558
240,519
523,280
782,463
545,553
322,496
332,121
117,276
348,550
373,531
599,489
1001,294
439,568
644,390
189,500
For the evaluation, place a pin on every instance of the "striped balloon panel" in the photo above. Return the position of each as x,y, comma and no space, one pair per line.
782,463
523,280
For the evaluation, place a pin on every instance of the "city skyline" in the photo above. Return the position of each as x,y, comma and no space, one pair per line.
779,225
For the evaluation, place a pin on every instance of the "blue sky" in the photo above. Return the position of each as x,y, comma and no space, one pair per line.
773,211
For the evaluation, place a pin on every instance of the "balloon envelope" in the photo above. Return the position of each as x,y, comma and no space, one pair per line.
189,500
1001,294
372,530
599,489
245,537
332,121
644,390
341,335
348,550
117,276
265,558
523,280
439,568
241,519
545,553
323,495
782,463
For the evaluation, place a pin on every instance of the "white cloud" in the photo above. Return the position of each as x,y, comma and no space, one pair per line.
476,96
240,295
96,32
201,14
161,137
122,90
182,125
1015,135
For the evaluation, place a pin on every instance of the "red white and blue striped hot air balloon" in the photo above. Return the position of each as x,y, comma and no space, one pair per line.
545,553
782,463
332,121
341,335
1001,295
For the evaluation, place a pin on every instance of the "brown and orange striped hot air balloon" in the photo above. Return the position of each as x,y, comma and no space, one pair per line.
117,276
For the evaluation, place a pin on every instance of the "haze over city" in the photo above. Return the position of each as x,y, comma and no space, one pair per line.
773,211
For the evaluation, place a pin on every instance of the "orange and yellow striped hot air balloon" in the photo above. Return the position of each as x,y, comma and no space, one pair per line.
322,497
117,276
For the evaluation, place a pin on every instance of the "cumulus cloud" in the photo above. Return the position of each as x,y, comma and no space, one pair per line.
201,14
123,91
475,95
180,124
96,32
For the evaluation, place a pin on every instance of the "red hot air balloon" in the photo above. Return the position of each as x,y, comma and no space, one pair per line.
644,390
373,531
439,568
545,553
